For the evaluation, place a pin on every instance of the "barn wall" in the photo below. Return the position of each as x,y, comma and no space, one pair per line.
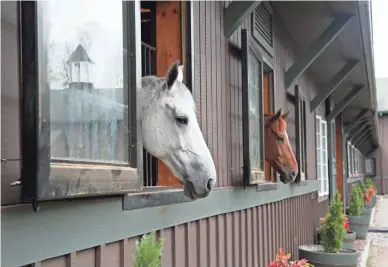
381,156
217,89
243,238
248,237
10,104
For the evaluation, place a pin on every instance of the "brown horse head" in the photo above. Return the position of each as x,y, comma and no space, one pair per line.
278,151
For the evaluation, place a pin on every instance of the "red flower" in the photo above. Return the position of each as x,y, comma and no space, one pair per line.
282,260
346,224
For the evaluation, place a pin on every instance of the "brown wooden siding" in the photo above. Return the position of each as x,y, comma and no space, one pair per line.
381,185
246,238
10,104
217,89
217,92
381,154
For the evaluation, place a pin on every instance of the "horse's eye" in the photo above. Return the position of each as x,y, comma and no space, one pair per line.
182,120
280,138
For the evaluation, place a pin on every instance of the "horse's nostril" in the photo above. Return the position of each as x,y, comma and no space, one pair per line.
209,184
294,174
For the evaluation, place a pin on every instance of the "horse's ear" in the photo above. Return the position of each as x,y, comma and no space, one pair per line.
172,74
276,116
284,116
180,73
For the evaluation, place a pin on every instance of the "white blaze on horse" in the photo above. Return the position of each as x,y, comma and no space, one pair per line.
170,131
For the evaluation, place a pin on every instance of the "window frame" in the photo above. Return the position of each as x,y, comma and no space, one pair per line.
159,195
372,165
322,163
249,46
301,141
353,161
348,159
38,166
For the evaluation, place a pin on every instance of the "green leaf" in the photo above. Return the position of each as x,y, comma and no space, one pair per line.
148,251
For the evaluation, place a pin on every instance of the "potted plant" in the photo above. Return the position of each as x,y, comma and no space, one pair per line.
330,253
357,222
283,260
350,236
367,197
370,188
148,251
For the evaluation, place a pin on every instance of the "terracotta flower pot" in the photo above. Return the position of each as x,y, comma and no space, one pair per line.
319,258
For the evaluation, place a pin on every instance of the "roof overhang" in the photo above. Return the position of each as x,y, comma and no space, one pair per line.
333,42
344,64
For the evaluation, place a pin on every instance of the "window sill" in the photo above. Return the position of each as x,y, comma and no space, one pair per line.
155,196
354,179
160,196
303,183
322,198
266,186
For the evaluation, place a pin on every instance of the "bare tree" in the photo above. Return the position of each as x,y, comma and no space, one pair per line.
58,70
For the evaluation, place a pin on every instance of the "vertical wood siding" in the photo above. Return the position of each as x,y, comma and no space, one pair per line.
246,238
218,86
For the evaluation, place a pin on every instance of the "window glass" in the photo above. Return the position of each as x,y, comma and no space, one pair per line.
85,144
254,85
82,44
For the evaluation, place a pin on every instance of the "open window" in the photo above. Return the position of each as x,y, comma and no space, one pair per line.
269,107
300,133
79,93
165,38
322,156
252,109
350,159
79,99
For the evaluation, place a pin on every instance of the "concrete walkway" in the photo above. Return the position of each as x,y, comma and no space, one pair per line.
378,253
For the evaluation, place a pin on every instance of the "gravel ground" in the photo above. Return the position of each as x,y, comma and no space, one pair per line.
359,245
378,253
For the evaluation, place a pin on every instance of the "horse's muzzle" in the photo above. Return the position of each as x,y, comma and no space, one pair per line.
190,192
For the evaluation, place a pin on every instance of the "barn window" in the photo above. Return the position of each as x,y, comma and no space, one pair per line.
252,102
300,133
353,153
348,159
322,156
370,166
79,131
262,26
77,137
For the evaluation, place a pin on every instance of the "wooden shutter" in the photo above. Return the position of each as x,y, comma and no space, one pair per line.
262,26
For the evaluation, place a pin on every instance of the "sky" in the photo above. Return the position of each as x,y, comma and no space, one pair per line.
380,36
106,35
101,24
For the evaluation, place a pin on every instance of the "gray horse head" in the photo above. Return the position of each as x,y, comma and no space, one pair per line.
170,131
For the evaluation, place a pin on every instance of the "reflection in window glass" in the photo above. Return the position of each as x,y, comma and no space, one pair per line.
83,75
254,88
